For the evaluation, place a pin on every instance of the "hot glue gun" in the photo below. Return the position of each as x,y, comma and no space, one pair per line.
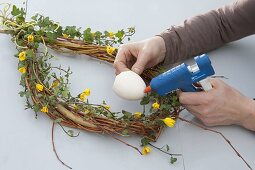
184,77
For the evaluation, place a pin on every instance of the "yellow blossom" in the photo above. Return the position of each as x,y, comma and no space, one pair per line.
146,150
54,83
87,92
169,121
86,111
107,107
110,50
111,34
137,115
39,87
30,38
65,35
22,56
44,109
155,105
82,96
22,70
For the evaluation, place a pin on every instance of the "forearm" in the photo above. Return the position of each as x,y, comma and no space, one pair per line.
206,32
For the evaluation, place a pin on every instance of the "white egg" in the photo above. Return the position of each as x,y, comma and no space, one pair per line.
129,85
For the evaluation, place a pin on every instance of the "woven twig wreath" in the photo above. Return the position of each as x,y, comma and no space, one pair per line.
48,92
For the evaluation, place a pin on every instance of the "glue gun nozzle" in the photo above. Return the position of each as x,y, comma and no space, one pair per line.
147,89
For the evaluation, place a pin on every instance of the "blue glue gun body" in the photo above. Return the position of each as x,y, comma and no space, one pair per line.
183,76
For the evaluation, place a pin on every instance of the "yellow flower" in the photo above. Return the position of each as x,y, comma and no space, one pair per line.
110,50
65,35
44,109
39,87
137,115
82,96
155,105
54,83
22,56
22,70
146,150
107,107
111,34
169,122
30,38
86,111
87,92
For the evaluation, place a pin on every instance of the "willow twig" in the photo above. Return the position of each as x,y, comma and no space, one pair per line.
214,131
53,145
110,134
3,32
125,143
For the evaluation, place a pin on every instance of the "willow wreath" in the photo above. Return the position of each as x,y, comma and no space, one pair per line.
48,91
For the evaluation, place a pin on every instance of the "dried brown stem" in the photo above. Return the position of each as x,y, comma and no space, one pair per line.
110,134
125,143
3,32
214,131
54,148
73,117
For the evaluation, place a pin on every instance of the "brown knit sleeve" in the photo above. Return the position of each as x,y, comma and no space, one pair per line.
208,31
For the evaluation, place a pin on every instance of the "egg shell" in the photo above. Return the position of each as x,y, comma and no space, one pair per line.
129,85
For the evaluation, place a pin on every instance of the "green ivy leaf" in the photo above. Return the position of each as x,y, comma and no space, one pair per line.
22,93
104,103
127,115
145,100
65,92
15,11
34,17
120,34
165,106
87,35
28,94
20,19
30,53
160,122
36,108
22,81
51,36
72,31
173,160
144,141
45,22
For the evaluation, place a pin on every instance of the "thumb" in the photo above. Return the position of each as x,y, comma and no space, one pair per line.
140,64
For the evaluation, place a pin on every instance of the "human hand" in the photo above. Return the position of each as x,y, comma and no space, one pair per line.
222,105
140,55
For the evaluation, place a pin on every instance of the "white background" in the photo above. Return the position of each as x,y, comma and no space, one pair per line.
25,142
